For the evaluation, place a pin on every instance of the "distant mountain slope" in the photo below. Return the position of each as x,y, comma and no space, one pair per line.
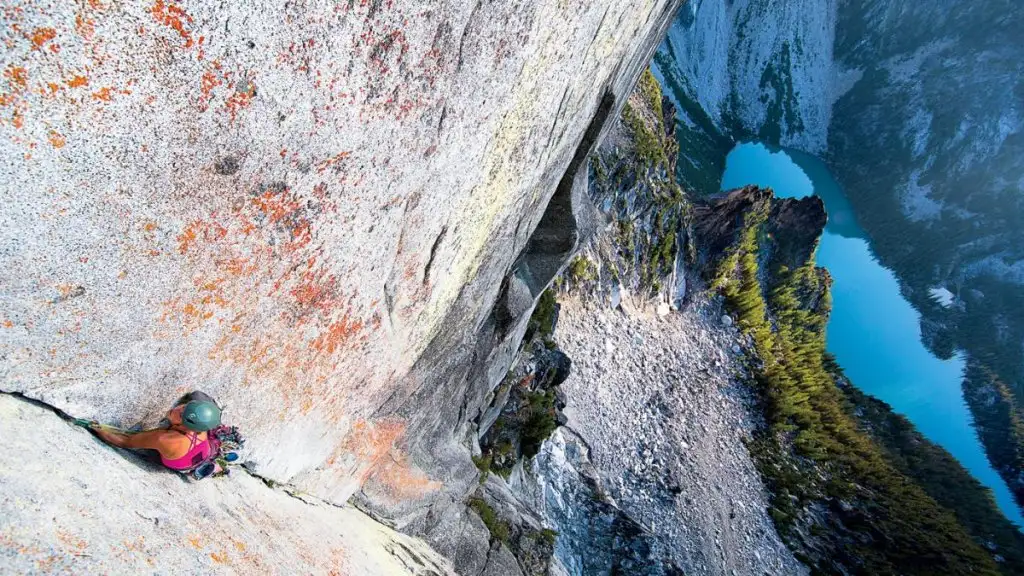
916,107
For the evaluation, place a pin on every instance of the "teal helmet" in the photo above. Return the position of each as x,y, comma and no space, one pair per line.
200,415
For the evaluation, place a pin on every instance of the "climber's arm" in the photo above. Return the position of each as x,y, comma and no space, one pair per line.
151,439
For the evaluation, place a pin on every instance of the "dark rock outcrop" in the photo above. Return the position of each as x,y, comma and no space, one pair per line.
792,226
722,220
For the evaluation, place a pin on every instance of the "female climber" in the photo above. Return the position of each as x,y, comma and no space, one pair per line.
183,444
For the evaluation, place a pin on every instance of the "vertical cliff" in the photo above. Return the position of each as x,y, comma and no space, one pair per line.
318,212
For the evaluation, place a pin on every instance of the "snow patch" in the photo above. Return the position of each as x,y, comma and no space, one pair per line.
907,68
917,131
942,296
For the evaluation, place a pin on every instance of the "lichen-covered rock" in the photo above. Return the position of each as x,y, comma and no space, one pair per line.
307,209
69,504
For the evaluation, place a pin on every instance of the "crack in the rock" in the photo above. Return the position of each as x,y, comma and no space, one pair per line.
465,32
597,32
267,481
433,254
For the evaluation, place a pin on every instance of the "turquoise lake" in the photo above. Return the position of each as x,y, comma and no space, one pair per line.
874,332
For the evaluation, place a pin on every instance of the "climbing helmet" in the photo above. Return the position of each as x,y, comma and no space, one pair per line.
200,415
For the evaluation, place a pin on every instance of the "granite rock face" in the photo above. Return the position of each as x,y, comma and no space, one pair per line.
314,211
72,505
334,217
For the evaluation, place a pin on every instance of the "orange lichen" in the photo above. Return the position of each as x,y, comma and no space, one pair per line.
210,231
377,445
301,235
412,270
187,237
240,99
339,334
17,81
339,562
207,83
369,441
195,312
138,544
8,324
77,81
316,292
57,140
236,266
210,286
41,36
173,17
400,480
276,205
84,26
273,309
102,94
71,541
149,226
16,76
333,160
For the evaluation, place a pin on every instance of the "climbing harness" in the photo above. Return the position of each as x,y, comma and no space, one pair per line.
225,441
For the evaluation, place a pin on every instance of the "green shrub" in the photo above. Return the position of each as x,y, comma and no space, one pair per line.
547,536
540,422
812,447
581,269
544,314
483,464
651,91
505,452
650,151
496,526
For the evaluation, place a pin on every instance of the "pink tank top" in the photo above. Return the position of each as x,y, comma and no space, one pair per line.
197,452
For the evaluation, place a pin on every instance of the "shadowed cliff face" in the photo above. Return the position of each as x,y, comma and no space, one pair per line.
792,226
307,210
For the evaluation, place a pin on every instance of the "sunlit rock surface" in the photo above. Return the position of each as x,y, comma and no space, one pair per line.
289,206
71,505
